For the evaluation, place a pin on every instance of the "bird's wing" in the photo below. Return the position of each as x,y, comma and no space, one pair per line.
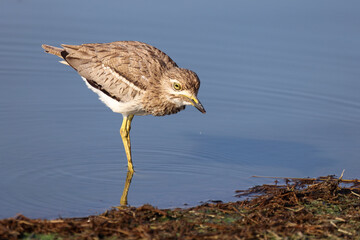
122,70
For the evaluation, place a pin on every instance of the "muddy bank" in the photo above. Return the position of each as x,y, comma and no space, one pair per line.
327,208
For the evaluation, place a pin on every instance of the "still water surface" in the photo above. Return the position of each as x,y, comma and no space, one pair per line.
280,83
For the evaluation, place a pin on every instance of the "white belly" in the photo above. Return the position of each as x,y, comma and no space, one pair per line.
125,108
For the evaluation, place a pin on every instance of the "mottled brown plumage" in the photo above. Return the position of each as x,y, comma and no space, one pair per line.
132,78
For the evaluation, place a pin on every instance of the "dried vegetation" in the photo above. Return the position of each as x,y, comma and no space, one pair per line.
322,208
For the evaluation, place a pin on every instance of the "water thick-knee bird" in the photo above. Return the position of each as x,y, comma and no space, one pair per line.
132,78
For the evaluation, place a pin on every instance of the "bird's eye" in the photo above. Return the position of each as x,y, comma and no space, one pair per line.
177,86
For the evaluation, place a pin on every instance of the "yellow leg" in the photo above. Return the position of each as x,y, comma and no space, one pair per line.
125,136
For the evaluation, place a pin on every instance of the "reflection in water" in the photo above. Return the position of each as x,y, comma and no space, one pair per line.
123,199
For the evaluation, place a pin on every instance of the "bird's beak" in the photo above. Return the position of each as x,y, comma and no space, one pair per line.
196,103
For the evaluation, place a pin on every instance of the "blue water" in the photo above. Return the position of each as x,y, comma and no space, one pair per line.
279,81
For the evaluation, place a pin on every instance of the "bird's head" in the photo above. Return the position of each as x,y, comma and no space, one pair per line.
181,87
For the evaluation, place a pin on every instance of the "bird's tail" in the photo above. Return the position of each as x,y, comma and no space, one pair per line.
55,51
52,50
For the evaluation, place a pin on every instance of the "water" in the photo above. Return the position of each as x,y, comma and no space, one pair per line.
280,83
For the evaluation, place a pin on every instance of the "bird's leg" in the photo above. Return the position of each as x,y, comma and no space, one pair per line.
128,127
125,136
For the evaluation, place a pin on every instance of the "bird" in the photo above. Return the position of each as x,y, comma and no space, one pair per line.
132,78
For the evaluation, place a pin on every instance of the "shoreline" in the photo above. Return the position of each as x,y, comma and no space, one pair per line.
326,208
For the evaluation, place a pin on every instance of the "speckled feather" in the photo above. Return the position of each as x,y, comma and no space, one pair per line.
129,70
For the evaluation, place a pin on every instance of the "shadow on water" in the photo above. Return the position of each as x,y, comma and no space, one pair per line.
260,152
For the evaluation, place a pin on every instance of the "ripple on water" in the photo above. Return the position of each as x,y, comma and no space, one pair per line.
82,187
